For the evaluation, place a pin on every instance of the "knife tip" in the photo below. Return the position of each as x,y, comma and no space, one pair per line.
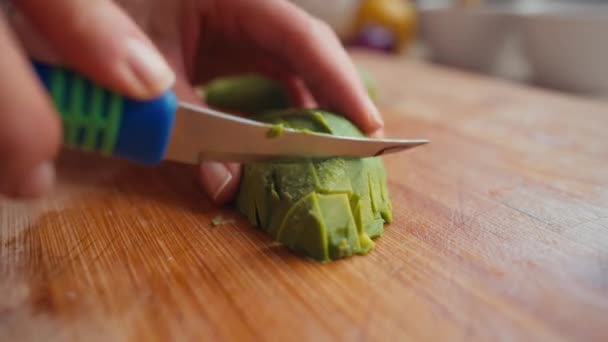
402,147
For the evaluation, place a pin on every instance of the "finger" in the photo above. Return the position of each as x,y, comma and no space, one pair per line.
29,129
379,134
220,181
296,90
298,93
31,40
313,51
100,40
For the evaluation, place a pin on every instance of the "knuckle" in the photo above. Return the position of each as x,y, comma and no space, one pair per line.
81,19
323,28
324,31
317,32
78,25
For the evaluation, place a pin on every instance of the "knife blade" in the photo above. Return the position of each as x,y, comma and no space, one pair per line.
201,133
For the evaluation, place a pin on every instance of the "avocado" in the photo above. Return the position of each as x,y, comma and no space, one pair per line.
248,93
325,209
255,93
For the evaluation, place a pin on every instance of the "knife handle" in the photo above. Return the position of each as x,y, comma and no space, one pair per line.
96,119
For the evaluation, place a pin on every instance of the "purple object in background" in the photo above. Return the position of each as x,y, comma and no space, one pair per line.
375,37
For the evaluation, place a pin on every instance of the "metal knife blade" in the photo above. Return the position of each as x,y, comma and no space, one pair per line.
201,133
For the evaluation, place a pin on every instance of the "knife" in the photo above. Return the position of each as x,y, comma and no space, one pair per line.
96,119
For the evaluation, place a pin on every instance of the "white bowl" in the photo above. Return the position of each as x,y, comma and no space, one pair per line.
466,38
339,14
567,46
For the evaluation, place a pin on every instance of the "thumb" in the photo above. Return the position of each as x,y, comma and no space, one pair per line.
101,41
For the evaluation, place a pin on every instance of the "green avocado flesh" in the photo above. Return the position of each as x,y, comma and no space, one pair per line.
275,131
324,209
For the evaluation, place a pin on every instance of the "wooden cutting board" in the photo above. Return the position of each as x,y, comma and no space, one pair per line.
500,233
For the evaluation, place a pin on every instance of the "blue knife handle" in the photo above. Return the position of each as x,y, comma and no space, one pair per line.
96,119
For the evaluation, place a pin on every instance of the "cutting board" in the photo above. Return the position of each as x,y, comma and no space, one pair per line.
500,233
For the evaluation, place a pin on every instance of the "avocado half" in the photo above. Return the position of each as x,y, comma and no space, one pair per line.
254,93
325,209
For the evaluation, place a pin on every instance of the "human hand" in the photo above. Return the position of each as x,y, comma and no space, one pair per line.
94,37
203,39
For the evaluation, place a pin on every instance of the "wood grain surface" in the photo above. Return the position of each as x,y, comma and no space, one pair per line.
500,233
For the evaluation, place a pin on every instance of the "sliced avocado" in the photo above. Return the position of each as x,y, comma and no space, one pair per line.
326,209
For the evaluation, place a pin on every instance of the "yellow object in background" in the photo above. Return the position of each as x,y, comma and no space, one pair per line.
385,24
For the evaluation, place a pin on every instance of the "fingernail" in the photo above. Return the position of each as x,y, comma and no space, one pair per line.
215,177
39,181
152,75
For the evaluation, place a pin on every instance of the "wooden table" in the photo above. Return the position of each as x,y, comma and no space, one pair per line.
500,233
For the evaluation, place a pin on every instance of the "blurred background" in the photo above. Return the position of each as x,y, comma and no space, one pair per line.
561,45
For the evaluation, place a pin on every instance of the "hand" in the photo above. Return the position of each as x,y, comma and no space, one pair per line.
95,37
200,39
